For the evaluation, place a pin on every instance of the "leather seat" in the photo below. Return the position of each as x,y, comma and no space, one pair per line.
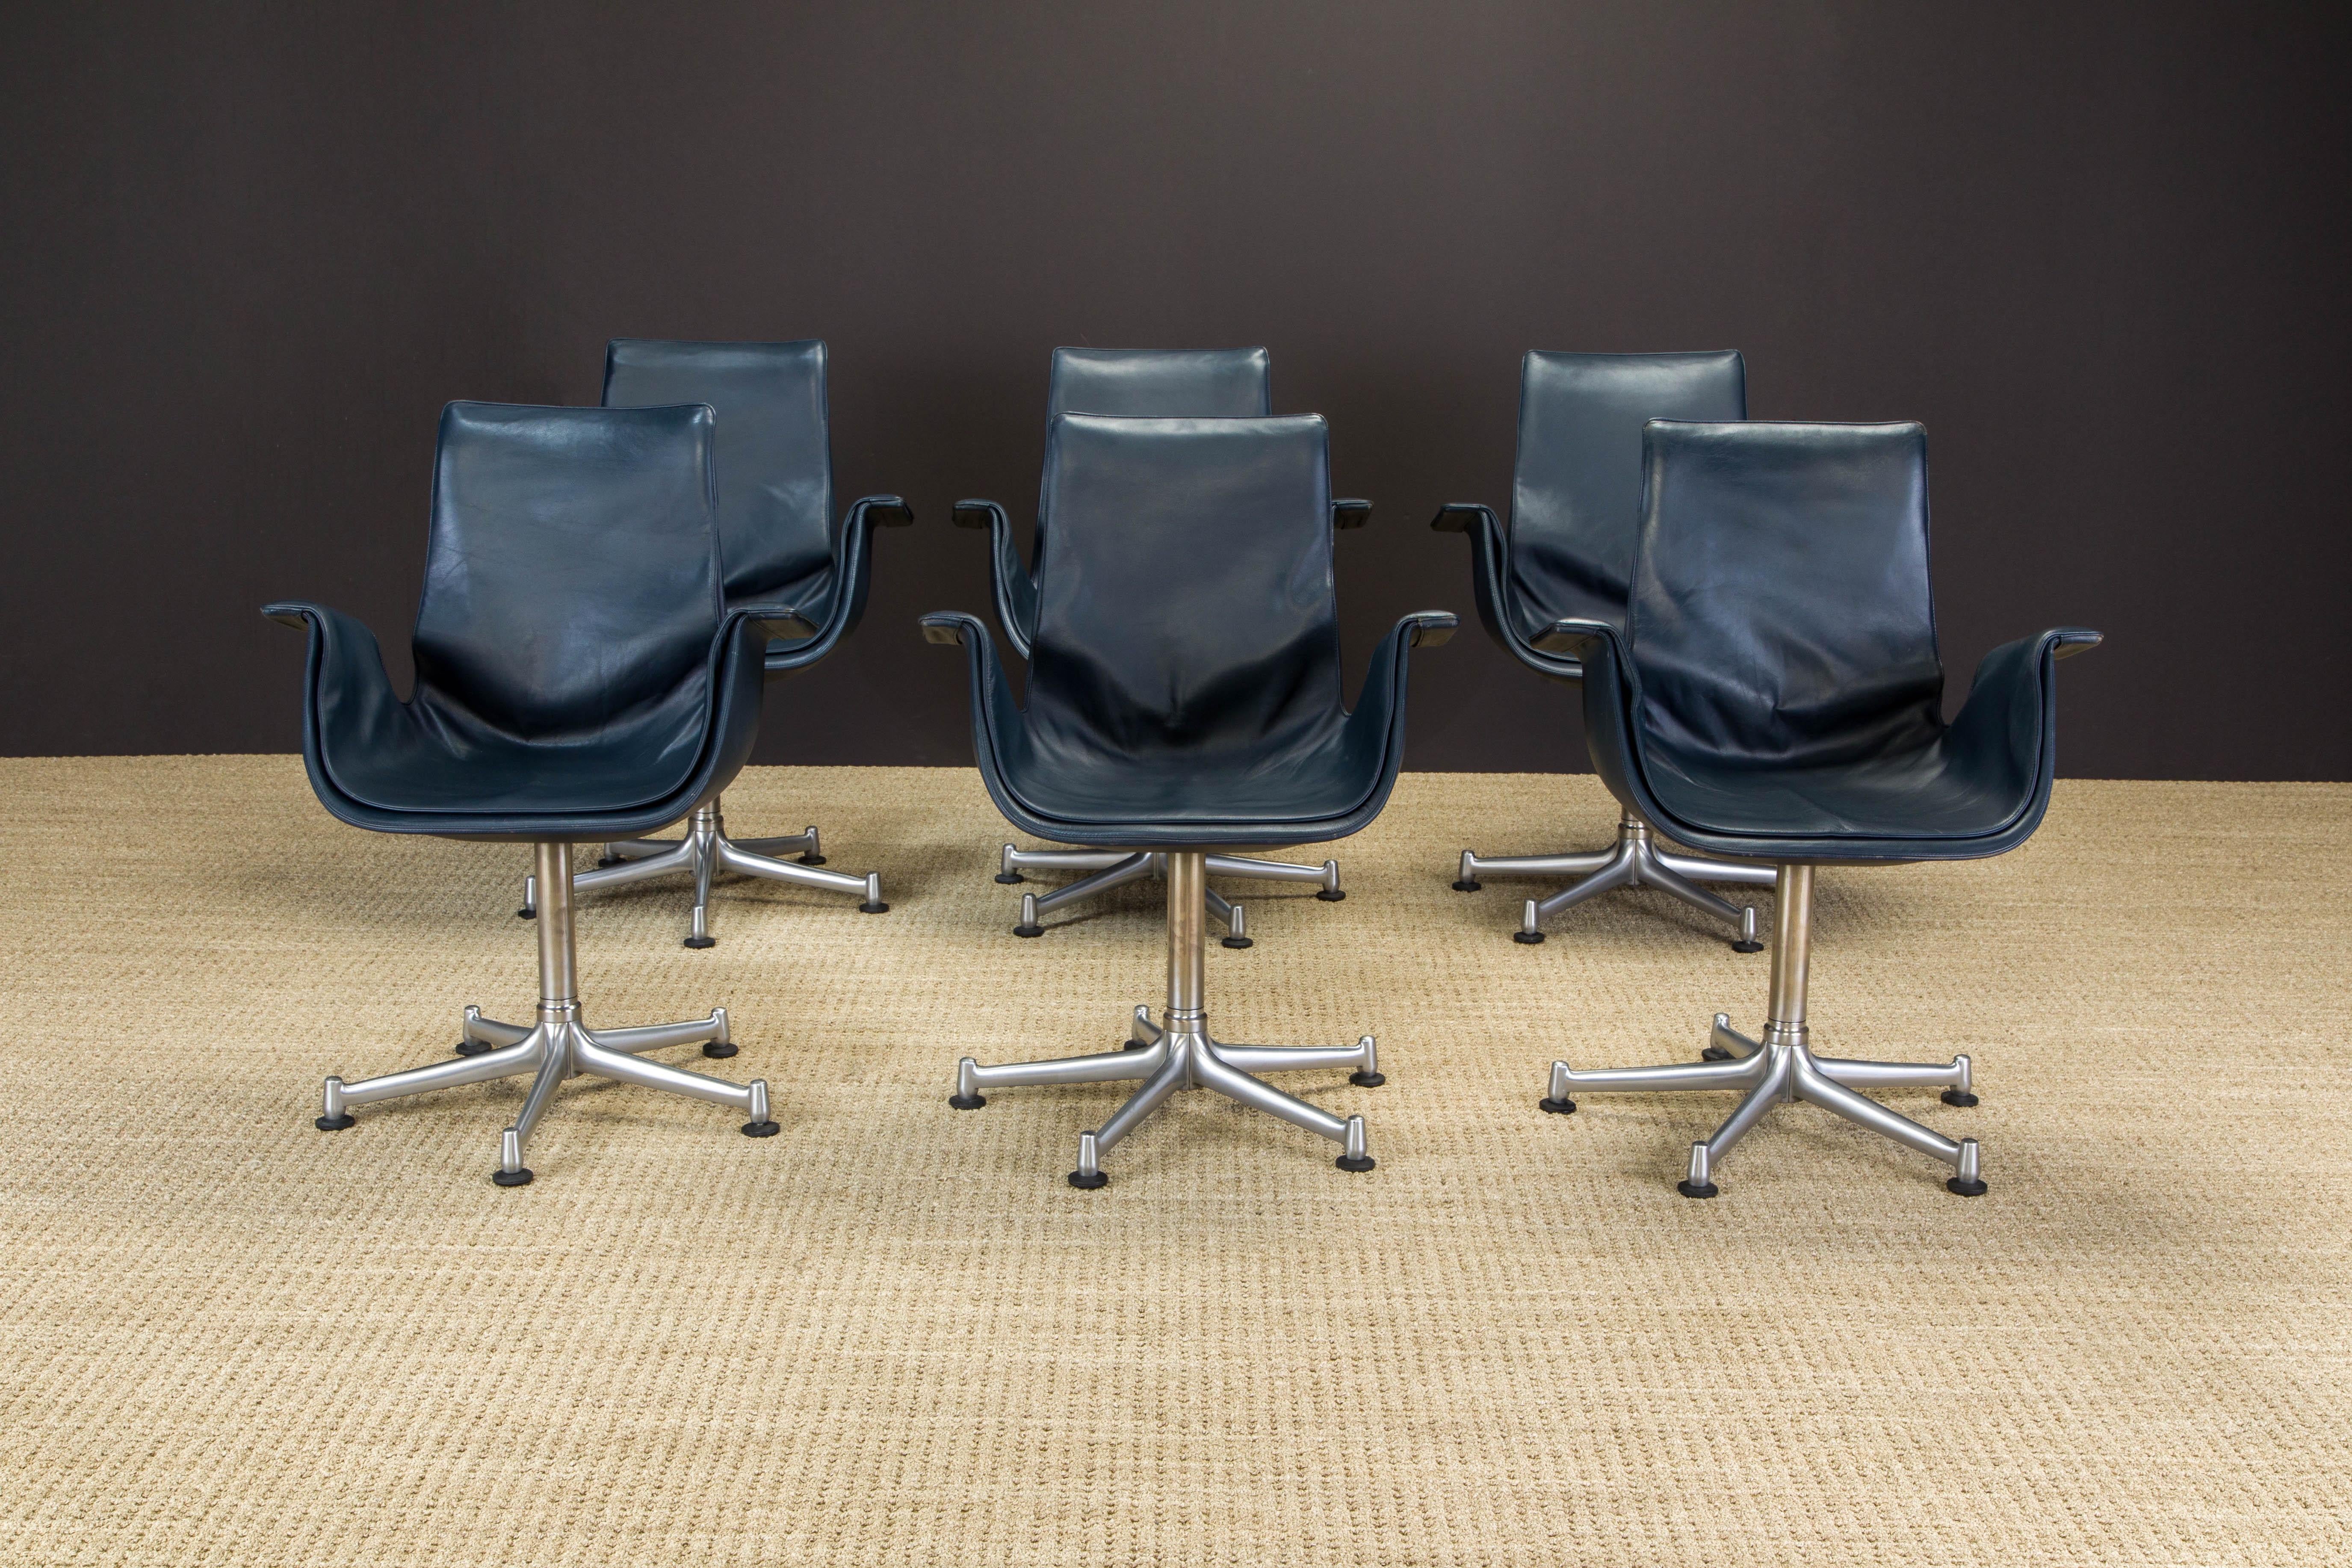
1774,690
781,543
1183,695
1576,505
580,675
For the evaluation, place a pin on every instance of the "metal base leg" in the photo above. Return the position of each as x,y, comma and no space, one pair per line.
1110,868
1178,1053
706,851
1635,862
558,1047
1782,1067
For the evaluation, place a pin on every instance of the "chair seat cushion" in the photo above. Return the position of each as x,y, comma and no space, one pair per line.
1319,778
514,777
1937,792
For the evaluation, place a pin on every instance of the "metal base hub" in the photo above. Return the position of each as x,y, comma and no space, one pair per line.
702,854
1110,868
1636,861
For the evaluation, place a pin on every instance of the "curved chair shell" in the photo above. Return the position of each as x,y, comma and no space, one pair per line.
577,671
1184,685
1776,691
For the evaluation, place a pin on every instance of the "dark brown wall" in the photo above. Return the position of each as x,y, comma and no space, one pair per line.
2099,249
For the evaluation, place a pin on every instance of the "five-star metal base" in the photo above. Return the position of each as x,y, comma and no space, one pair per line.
559,1046
1115,867
1636,861
1782,1068
703,853
1178,1052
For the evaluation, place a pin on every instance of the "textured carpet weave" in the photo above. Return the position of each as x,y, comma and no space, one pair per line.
892,1334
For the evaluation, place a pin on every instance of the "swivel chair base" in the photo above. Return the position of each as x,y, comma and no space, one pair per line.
1782,1067
1178,1053
703,853
1635,862
559,1046
1114,868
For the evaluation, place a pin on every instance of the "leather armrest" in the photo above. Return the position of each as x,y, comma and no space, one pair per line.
853,567
1017,590
1377,722
783,623
998,722
2008,716
1578,639
1489,566
1350,513
946,629
348,708
884,512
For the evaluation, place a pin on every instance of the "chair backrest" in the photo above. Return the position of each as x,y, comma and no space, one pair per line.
1187,602
1780,607
1576,496
572,580
775,462
1205,384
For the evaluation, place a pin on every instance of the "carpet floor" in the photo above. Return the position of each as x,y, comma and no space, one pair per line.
893,1334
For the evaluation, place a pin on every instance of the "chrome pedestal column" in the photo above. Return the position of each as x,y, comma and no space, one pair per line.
1782,1067
703,853
1178,1052
559,1046
1113,868
1635,862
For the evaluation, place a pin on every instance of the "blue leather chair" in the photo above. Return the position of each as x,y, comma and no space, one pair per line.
1576,507
580,677
776,527
1184,697
1208,384
1773,692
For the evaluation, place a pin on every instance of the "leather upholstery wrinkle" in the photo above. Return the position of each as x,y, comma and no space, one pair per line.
1774,689
578,671
1185,686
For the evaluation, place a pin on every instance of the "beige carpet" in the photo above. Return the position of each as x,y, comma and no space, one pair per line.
893,1335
